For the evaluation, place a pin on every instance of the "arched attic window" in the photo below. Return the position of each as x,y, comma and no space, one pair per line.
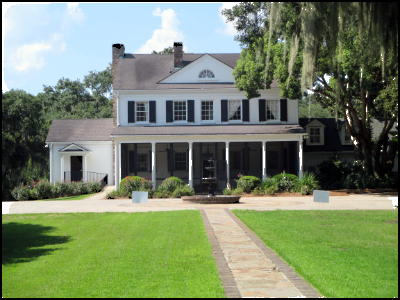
206,74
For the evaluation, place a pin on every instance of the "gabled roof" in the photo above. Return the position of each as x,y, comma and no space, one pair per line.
145,71
73,147
75,130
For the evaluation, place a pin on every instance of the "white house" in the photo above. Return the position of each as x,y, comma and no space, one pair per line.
171,114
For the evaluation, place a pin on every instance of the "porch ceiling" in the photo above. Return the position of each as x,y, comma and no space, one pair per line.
206,130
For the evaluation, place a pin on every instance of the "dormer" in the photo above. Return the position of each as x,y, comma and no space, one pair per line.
205,69
315,131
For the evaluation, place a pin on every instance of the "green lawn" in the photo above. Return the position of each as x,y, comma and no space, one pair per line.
341,253
78,197
152,254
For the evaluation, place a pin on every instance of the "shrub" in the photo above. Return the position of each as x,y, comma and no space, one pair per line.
237,191
227,191
44,189
307,184
248,183
271,190
258,191
94,186
170,184
286,182
161,194
333,173
135,183
268,182
113,194
184,190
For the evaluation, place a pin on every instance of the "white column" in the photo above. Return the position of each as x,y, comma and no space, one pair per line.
264,160
191,164
116,165
227,161
84,168
300,156
51,162
62,167
153,164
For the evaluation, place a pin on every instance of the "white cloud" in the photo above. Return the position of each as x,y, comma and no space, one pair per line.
229,29
32,56
167,35
73,15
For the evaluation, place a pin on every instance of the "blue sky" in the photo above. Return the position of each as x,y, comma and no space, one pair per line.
45,42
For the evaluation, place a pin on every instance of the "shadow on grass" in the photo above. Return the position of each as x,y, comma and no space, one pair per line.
22,242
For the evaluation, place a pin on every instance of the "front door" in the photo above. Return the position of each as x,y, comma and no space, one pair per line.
76,168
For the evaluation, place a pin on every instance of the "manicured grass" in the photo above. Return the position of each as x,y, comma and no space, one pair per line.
151,254
78,197
341,253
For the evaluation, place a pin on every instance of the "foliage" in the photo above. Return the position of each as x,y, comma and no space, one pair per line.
135,183
303,44
248,183
332,173
170,184
227,191
307,184
258,191
269,181
286,182
310,108
42,189
238,191
271,190
183,190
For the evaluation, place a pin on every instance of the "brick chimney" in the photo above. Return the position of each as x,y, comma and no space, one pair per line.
117,51
178,57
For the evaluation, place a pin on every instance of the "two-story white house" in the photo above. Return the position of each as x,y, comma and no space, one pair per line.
171,114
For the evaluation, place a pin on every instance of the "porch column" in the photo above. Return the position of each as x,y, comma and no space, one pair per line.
116,166
191,164
227,161
153,163
264,160
84,168
62,167
300,156
51,163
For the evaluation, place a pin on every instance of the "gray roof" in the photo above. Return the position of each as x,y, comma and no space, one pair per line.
74,130
145,71
207,130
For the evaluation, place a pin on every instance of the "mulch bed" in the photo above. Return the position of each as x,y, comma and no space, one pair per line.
342,192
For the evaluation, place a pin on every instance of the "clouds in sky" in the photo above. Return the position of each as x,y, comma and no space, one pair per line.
228,29
32,32
167,35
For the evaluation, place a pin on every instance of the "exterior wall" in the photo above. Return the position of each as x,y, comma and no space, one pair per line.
198,95
99,161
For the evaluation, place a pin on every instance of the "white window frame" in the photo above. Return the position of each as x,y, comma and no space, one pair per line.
207,78
276,109
209,110
182,162
231,105
137,111
186,111
310,135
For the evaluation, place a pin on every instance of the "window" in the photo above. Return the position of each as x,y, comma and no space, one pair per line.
207,110
142,159
206,74
180,161
180,111
347,137
142,111
234,110
272,109
315,135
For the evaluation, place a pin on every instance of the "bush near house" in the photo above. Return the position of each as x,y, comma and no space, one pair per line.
248,183
42,189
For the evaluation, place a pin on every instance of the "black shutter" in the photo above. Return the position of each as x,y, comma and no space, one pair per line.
131,162
283,109
190,110
152,106
261,110
124,165
246,113
169,110
224,110
131,111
